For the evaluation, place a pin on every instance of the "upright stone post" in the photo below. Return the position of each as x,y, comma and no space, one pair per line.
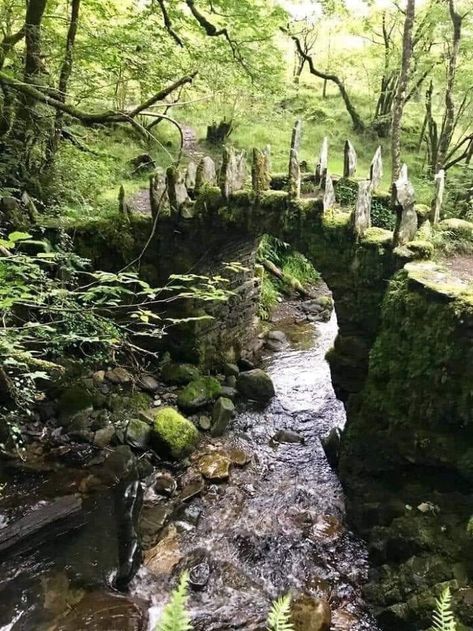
233,171
329,193
176,188
294,179
376,168
123,208
206,173
438,199
404,201
349,160
322,165
261,170
361,218
191,174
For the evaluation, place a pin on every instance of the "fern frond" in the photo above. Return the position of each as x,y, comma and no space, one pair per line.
279,618
175,616
443,618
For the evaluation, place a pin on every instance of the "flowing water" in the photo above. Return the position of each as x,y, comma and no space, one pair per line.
277,525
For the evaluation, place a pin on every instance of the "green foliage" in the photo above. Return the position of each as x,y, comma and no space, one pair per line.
279,618
382,216
269,297
175,616
295,265
443,618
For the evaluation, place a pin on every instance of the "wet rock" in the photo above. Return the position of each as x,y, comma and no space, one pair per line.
256,385
163,558
222,414
230,392
100,419
205,423
152,520
118,376
230,381
199,575
215,467
179,374
148,383
287,436
165,485
98,611
245,364
103,437
190,514
237,456
327,528
276,341
98,377
192,485
199,393
120,464
331,445
231,370
310,614
172,434
138,434
81,422
74,400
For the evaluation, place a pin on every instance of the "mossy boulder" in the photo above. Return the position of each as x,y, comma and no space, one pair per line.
199,393
172,434
179,374
256,385
76,399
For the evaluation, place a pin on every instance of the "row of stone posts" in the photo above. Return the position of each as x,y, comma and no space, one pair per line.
177,187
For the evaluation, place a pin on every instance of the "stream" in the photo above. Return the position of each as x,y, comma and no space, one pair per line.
279,523
276,525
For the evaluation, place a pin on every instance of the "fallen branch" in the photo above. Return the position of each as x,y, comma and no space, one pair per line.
91,118
290,281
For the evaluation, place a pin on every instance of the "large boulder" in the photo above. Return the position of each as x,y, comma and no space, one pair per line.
256,385
199,393
179,374
172,434
73,401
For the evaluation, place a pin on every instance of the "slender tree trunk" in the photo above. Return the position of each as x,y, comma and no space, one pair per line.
448,122
400,98
64,76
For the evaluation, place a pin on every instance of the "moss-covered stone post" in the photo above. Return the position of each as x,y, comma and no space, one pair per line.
349,160
329,193
322,165
157,192
294,180
176,188
361,218
376,168
233,171
206,174
438,199
404,202
261,170
191,173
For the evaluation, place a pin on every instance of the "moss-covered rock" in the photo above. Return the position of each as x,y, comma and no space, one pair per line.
179,374
74,400
172,434
199,393
255,385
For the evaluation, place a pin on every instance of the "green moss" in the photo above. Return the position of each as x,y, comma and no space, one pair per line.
458,227
273,200
210,199
173,434
423,212
377,237
418,249
335,220
199,393
180,374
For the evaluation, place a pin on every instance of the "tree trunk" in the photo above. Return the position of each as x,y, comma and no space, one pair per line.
400,98
65,74
448,122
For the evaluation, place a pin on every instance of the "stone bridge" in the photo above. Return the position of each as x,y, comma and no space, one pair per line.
202,218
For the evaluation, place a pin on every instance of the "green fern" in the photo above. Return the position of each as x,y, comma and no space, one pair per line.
175,616
279,618
444,620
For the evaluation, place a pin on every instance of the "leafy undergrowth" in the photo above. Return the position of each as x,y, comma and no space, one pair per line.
292,264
